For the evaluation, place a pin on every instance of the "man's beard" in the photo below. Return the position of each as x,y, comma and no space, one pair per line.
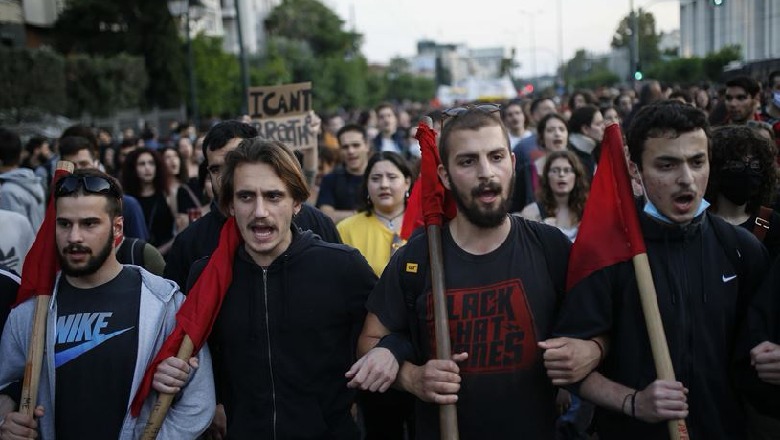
94,263
488,219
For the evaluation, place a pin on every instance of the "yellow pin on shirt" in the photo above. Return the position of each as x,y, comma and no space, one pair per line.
411,267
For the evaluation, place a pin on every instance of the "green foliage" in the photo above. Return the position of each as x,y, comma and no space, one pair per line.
410,87
314,23
695,69
648,37
31,80
217,78
596,78
99,85
138,27
713,63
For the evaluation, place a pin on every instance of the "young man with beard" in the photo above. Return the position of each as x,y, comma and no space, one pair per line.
705,273
504,278
289,321
105,322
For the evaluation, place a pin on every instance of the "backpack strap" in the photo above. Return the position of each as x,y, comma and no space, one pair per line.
762,223
131,251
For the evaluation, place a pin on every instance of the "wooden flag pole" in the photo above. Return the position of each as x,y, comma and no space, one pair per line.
164,400
655,330
448,414
32,368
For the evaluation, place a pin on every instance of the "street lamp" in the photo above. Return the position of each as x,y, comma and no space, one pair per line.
533,15
186,8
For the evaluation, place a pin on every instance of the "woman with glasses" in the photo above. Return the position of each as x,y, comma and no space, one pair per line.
375,232
182,201
743,175
145,177
563,189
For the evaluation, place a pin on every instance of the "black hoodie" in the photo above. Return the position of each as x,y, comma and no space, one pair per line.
284,338
703,300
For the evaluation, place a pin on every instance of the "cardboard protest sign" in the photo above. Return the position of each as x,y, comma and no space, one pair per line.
282,113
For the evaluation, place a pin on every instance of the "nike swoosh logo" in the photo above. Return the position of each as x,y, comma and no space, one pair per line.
727,279
68,355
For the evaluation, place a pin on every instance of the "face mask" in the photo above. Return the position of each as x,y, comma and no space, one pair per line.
740,186
776,98
653,212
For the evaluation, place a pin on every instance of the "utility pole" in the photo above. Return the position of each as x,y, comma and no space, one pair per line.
242,57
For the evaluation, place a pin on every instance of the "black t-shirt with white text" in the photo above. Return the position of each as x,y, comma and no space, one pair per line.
500,305
95,355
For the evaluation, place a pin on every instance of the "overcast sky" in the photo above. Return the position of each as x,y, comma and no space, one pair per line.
392,27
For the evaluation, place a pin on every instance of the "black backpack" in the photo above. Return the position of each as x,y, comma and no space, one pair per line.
131,251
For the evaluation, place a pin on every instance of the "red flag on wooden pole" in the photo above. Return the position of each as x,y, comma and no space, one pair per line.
609,232
196,316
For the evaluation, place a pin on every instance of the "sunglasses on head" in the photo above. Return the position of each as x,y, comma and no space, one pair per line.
457,111
91,184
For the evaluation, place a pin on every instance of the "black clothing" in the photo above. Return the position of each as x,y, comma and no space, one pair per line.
200,239
9,287
588,161
158,217
284,338
95,355
763,325
703,301
340,190
522,193
500,305
185,200
772,238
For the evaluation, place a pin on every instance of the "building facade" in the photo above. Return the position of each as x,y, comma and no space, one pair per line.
754,25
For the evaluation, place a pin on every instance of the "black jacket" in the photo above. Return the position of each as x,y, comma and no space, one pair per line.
200,239
284,338
703,302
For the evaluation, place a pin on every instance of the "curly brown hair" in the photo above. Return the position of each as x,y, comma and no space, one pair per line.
578,194
734,142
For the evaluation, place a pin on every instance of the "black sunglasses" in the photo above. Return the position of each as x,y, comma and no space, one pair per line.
454,112
91,184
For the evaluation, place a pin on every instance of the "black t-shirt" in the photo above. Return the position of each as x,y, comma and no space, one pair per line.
158,217
185,200
500,305
339,189
95,355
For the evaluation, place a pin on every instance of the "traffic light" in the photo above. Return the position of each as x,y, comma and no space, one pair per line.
638,75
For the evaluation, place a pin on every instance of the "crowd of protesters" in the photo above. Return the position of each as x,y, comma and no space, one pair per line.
325,329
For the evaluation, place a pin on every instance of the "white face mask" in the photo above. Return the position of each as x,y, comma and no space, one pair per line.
776,98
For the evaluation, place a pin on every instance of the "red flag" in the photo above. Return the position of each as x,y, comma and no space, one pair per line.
196,316
430,203
41,264
609,232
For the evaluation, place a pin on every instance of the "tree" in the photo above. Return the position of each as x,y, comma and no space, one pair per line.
312,22
99,85
648,37
138,27
217,77
32,81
